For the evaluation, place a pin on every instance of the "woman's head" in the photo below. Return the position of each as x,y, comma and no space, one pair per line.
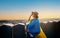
35,14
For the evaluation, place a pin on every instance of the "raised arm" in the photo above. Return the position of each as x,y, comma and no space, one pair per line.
30,17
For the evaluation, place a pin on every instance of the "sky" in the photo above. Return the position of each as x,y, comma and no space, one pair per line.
21,9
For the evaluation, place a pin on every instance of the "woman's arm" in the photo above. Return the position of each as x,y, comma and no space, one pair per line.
29,18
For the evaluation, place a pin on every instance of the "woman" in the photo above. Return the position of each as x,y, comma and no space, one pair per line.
33,26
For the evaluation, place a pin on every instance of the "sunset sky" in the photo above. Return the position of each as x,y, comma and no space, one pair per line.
21,9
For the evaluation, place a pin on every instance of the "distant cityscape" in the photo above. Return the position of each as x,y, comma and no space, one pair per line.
21,21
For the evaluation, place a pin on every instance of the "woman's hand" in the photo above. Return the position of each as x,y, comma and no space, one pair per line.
27,30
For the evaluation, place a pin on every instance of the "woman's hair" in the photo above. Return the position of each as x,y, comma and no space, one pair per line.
36,14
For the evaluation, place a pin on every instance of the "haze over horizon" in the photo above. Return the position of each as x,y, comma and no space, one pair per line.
21,9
